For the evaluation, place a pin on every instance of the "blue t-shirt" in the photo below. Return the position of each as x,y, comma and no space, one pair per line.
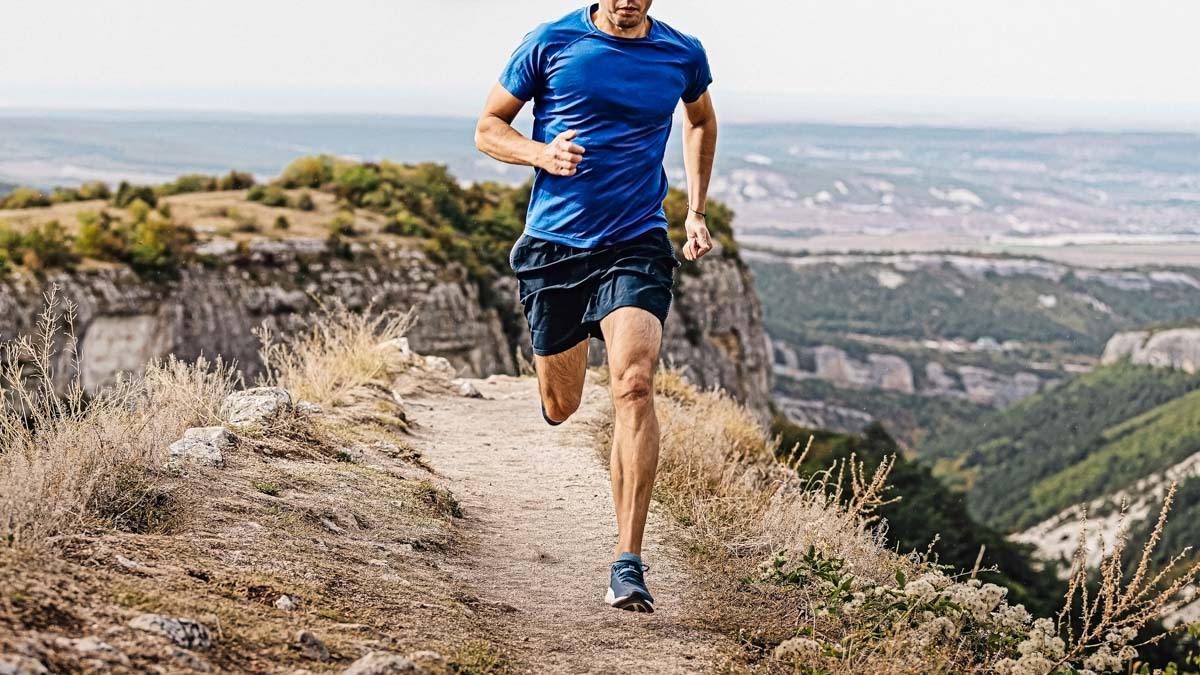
619,94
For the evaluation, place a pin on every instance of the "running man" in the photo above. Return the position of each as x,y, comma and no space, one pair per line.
594,259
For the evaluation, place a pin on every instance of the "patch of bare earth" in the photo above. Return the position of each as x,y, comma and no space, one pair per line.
541,529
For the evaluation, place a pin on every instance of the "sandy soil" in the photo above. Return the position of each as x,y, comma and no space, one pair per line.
539,509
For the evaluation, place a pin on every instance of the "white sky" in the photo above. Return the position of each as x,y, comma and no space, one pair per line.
1125,63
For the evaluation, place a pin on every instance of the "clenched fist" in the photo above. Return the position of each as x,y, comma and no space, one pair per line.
561,157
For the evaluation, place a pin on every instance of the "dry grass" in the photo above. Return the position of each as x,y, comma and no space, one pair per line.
67,462
341,354
811,587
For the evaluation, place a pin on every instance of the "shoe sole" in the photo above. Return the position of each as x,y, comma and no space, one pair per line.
632,603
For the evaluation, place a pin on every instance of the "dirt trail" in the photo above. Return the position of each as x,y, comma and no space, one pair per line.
539,509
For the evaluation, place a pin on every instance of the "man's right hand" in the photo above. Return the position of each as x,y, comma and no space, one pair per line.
561,157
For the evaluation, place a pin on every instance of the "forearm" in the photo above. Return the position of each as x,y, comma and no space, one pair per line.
699,149
499,140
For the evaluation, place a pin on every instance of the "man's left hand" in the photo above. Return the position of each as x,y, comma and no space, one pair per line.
699,242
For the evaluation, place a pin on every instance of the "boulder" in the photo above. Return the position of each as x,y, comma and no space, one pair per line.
255,406
312,646
203,445
466,388
184,633
15,664
285,603
382,663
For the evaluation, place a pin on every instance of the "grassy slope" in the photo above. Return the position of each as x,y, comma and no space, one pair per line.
1095,434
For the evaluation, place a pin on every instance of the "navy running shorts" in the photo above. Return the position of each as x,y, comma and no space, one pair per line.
566,291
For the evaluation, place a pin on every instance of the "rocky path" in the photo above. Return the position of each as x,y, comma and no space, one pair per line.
539,512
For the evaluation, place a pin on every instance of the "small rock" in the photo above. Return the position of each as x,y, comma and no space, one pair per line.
93,647
130,564
399,344
381,663
285,603
309,408
332,526
217,248
203,445
312,646
255,406
440,364
429,660
465,388
15,664
183,632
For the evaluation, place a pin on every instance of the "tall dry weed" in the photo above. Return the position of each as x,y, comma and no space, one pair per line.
339,355
68,462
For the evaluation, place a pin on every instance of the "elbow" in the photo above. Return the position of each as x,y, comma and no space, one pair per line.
481,134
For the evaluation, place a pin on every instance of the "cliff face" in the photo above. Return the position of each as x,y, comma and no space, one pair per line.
715,330
1178,348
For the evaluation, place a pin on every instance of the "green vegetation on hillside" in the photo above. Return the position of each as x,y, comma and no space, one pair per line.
941,302
928,510
913,418
1097,433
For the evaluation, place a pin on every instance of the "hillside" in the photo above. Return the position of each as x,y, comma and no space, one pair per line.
196,265
922,342
366,513
1099,432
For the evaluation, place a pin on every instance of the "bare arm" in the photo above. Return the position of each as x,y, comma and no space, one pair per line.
496,137
699,149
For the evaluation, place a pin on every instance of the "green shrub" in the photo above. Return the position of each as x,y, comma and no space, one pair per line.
25,198
41,247
164,210
138,210
187,184
94,190
128,193
235,180
308,172
281,223
63,195
305,202
343,224
243,222
271,195
97,239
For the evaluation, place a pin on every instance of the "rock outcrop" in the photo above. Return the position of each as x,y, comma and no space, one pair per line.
123,321
890,372
1177,348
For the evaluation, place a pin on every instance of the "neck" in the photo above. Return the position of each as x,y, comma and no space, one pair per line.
605,24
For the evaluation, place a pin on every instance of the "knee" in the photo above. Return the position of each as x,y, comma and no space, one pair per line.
561,406
633,386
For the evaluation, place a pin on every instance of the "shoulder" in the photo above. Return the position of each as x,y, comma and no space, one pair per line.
689,43
558,33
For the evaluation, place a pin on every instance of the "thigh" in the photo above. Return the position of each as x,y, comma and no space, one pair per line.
562,374
633,336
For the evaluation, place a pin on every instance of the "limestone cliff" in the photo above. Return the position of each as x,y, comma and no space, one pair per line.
1177,348
715,330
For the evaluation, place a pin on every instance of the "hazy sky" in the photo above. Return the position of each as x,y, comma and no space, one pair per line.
1105,63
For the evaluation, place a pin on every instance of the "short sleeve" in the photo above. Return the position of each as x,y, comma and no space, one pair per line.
523,75
700,76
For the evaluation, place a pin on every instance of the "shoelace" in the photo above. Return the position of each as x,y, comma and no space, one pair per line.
629,573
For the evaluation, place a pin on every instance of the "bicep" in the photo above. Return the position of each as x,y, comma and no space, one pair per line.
700,111
501,103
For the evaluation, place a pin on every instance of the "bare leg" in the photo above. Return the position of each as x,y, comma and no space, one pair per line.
633,336
560,380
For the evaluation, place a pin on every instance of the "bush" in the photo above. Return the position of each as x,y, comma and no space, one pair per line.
281,223
343,225
305,202
128,193
187,184
243,222
41,247
309,172
94,190
138,210
97,239
25,198
271,195
235,180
